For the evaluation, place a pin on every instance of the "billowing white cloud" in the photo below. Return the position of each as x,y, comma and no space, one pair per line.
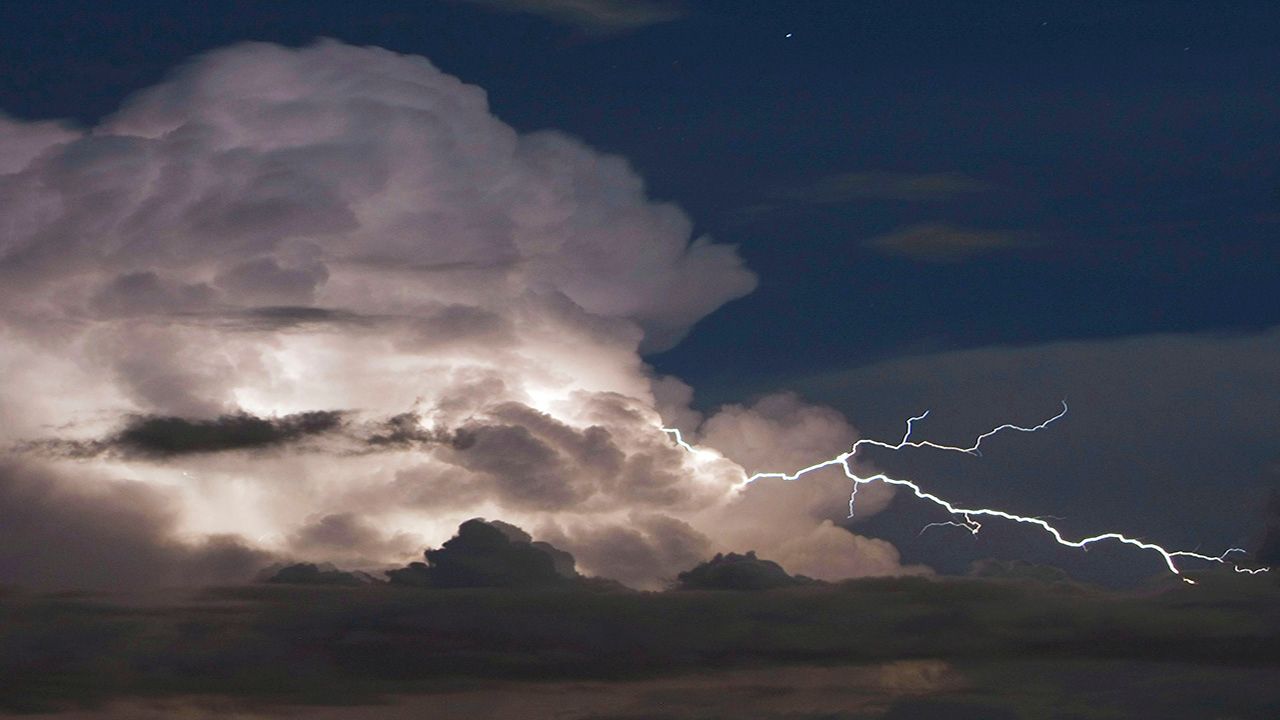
322,297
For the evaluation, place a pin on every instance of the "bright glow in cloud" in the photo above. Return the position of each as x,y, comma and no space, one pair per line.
350,232
321,303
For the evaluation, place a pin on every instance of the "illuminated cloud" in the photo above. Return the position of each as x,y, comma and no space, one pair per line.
322,299
645,550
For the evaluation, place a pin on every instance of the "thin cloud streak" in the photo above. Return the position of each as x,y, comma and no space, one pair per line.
594,17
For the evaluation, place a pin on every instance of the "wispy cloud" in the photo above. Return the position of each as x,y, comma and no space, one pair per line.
942,243
906,187
595,17
849,187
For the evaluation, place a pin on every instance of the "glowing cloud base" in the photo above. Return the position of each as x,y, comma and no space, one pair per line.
966,515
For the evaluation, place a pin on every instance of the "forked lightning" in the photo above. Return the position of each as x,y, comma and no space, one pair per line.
967,515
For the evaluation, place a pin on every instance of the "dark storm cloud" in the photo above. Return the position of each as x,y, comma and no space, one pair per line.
334,432
172,436
279,317
158,437
312,574
57,532
595,17
485,554
737,572
943,243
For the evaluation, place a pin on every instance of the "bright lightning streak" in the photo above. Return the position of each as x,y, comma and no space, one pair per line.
967,514
675,433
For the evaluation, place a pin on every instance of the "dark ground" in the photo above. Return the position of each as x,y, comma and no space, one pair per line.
894,649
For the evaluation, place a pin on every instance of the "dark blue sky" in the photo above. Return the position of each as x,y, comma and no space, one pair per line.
1131,151
1036,172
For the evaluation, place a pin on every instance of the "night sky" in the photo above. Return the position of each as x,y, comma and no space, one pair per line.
1114,162
317,282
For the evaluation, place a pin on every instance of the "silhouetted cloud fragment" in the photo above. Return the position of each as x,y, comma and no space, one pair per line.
485,554
739,572
171,436
311,574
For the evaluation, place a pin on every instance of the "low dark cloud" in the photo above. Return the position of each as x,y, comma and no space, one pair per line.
738,572
104,534
312,574
485,554
943,243
859,649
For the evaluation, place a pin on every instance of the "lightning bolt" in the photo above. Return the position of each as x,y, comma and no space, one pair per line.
966,515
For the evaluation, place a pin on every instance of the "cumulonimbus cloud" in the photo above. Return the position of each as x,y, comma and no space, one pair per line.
323,293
